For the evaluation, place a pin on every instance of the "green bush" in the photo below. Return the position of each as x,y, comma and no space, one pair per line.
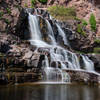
97,50
8,10
84,22
97,41
33,2
7,21
80,30
62,13
43,1
92,21
1,14
26,5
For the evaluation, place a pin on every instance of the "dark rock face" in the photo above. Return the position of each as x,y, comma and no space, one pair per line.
4,47
76,40
22,30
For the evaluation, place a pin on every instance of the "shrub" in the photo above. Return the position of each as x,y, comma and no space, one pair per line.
84,22
33,2
80,30
62,13
43,1
97,50
26,5
7,21
92,21
8,10
97,41
1,14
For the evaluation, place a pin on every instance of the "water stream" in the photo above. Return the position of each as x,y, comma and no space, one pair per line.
60,58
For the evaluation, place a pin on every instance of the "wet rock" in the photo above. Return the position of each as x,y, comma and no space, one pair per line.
4,47
53,64
41,59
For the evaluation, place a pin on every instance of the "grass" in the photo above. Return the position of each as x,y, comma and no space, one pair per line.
62,13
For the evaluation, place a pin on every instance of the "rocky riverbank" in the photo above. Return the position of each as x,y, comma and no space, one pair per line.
36,75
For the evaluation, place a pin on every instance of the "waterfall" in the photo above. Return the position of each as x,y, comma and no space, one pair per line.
34,28
36,38
60,59
88,64
50,31
61,33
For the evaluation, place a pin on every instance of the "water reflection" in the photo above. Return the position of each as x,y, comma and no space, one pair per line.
50,92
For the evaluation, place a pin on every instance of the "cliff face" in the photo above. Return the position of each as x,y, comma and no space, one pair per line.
9,13
85,8
17,54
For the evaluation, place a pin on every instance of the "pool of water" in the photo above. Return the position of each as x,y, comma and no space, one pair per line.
50,92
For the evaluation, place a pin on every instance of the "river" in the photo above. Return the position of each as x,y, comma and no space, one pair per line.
50,92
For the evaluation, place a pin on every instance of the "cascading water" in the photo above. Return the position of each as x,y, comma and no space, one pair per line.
61,33
59,59
36,38
88,64
50,31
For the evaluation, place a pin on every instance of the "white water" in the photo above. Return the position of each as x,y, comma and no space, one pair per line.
36,38
61,33
63,58
50,31
89,65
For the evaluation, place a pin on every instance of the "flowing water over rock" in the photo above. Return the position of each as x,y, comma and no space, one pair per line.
58,58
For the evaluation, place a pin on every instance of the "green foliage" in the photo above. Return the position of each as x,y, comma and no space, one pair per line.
62,13
80,30
8,10
26,5
43,1
97,41
84,22
1,14
97,50
7,21
92,21
33,2
81,26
